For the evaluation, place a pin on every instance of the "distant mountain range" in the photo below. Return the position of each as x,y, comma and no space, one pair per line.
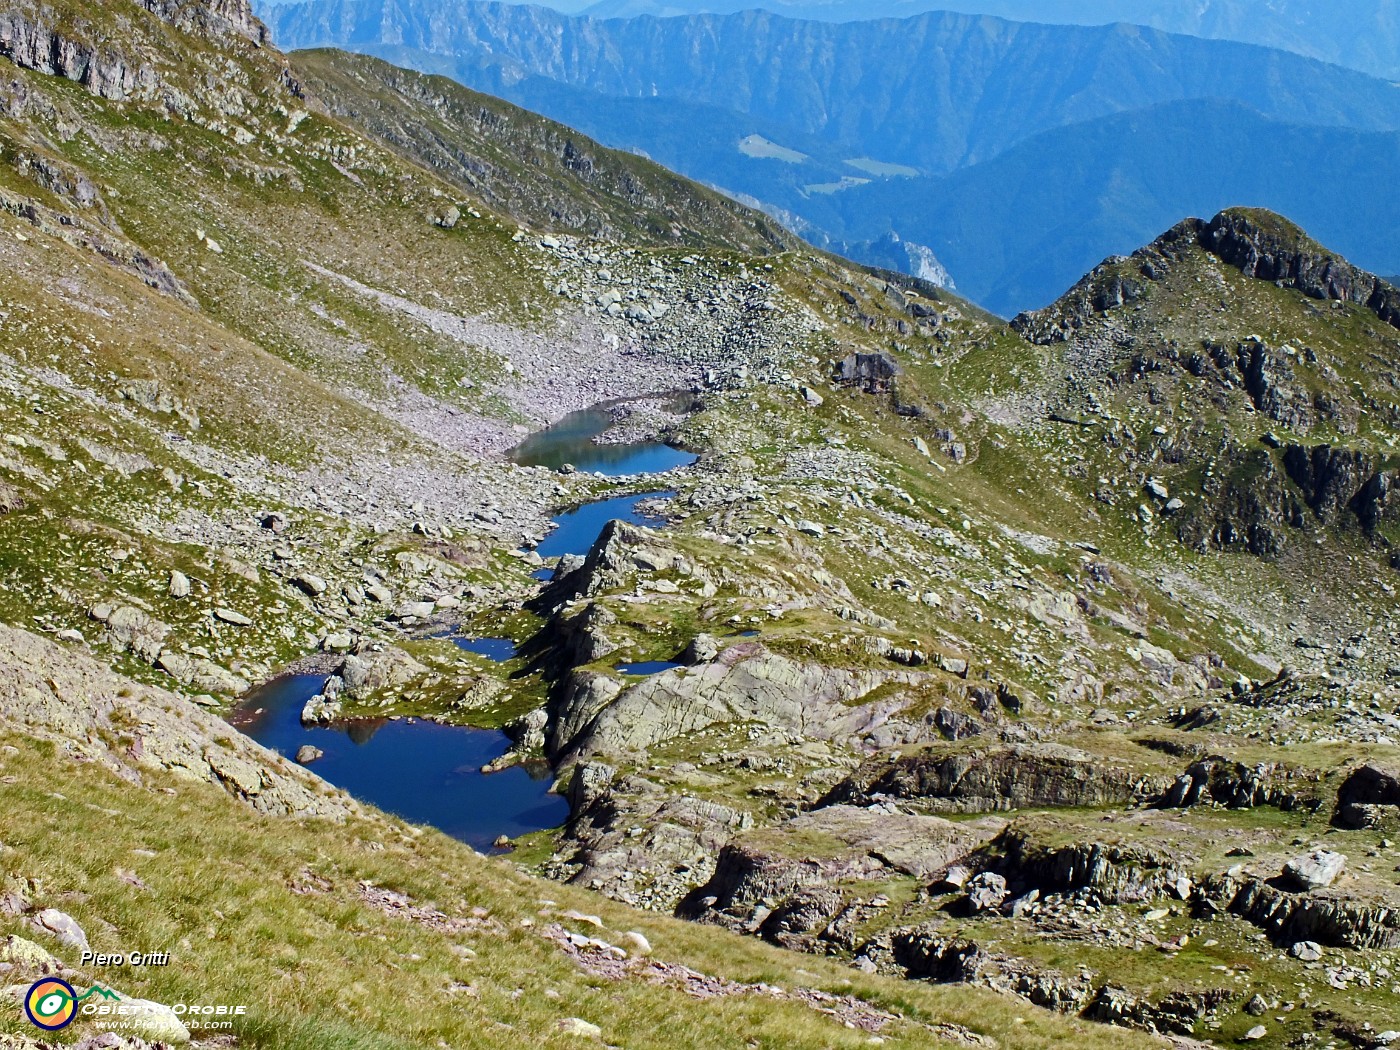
1359,34
921,128
1018,229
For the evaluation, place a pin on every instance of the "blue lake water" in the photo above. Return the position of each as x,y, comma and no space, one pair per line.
421,771
576,530
648,667
497,649
571,441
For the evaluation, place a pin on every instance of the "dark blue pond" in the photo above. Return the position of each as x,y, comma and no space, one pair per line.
647,667
497,649
577,529
421,771
571,441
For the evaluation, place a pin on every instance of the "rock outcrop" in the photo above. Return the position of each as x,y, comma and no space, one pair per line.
1265,246
928,952
1257,243
1368,798
68,697
778,866
1337,480
31,41
640,844
1119,872
988,780
746,683
1335,917
1235,786
211,18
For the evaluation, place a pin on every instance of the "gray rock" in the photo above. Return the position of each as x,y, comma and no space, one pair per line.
986,892
306,754
338,642
61,925
309,584
364,676
321,710
703,649
579,1027
1314,871
1255,1034
131,628
179,585
527,731
1307,951
1256,1007
231,616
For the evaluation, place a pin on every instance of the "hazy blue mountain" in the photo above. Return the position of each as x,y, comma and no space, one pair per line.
934,92
1017,231
1361,34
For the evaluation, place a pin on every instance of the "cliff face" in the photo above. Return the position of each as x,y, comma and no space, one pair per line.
30,40
105,51
211,17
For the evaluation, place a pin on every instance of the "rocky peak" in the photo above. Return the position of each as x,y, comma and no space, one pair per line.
211,17
1264,245
1256,242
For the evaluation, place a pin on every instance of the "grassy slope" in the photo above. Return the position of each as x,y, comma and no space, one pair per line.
323,968
541,172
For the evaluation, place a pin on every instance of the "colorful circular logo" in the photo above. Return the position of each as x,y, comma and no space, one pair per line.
51,1004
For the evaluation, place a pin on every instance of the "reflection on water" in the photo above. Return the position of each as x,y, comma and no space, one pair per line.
571,441
421,771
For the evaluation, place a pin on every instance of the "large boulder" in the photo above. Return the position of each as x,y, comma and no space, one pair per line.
375,673
1368,798
1314,871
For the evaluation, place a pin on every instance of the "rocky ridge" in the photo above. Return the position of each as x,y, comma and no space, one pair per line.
948,659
